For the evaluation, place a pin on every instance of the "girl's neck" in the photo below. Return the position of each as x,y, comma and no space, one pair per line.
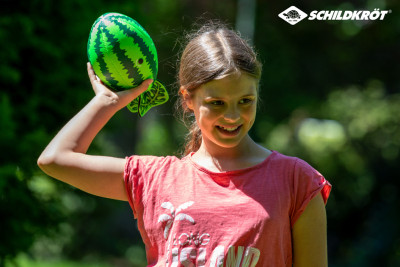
209,149
246,154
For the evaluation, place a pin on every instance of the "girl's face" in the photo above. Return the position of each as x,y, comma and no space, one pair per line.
225,109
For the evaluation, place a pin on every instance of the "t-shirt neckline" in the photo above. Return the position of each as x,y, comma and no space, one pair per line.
232,172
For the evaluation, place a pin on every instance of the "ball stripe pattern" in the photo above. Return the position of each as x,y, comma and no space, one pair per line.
132,74
97,62
132,50
123,55
151,57
118,77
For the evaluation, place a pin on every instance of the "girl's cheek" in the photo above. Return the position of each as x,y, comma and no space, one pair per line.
204,110
249,110
209,111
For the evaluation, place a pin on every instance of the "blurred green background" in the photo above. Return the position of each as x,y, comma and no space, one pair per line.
330,94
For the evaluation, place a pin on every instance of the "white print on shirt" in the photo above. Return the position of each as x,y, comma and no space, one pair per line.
175,215
181,254
185,239
191,256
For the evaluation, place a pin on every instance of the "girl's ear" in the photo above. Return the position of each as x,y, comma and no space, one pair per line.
186,97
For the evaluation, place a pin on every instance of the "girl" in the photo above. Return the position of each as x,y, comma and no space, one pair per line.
228,201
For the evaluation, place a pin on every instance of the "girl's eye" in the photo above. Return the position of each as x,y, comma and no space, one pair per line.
217,102
245,101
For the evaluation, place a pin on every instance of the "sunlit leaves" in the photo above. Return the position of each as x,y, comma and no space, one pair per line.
321,135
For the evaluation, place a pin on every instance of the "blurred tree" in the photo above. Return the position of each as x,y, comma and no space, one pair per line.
329,94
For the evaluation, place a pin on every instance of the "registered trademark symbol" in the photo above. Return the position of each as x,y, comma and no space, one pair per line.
390,11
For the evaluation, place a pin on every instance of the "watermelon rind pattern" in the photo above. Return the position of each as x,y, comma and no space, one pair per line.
123,55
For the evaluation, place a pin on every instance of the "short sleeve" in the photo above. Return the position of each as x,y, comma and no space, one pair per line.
141,175
307,183
133,183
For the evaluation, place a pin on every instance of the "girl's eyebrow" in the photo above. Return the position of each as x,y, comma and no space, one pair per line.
249,95
212,97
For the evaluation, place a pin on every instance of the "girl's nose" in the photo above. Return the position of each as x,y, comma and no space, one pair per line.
232,114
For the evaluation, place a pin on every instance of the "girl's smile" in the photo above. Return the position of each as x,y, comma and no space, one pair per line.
229,130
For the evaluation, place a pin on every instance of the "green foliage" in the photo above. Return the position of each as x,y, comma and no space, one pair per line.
28,213
330,95
155,139
24,261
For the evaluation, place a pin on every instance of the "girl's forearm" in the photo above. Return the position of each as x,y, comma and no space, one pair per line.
79,132
77,135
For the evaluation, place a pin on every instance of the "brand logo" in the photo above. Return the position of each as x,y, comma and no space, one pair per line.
293,15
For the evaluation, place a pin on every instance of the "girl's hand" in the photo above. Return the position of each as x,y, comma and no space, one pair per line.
119,99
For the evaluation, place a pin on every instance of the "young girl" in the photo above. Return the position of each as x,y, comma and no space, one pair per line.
228,201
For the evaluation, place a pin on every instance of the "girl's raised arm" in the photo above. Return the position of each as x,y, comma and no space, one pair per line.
65,156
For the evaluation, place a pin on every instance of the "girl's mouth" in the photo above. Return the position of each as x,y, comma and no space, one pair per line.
231,130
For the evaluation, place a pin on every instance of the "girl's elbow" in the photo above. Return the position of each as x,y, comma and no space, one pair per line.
45,162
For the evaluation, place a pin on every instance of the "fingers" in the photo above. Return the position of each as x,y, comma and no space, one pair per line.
91,74
136,91
146,83
125,95
94,79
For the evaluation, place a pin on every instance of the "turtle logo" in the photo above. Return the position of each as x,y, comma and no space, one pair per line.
292,15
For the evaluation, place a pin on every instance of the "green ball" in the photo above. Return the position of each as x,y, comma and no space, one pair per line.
123,55
121,52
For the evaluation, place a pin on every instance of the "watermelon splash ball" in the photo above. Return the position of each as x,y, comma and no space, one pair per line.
123,55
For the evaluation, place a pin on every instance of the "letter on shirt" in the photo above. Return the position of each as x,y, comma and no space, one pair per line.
234,259
251,256
187,255
217,257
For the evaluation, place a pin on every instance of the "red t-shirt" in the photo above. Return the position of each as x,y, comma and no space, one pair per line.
190,216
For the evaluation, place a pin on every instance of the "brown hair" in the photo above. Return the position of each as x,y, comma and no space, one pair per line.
213,52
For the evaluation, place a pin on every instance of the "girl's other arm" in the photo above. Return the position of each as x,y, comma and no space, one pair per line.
309,236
